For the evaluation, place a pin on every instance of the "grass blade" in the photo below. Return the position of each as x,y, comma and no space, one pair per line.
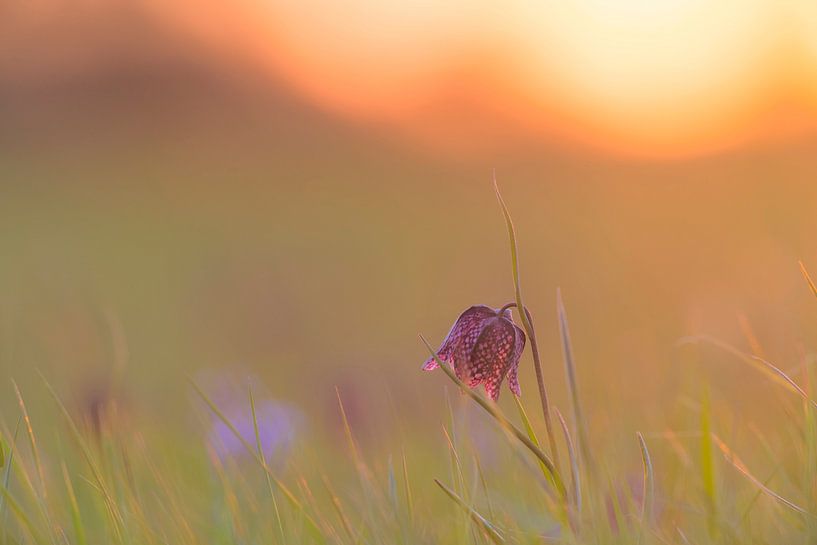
314,528
572,383
809,281
76,519
527,324
260,451
407,486
21,515
478,519
504,422
31,439
769,370
531,435
338,507
648,493
736,462
575,475
7,476
110,504
708,466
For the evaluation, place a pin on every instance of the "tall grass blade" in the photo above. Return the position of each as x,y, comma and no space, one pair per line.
809,281
490,530
76,519
572,383
365,475
527,324
707,463
484,483
648,492
338,507
392,483
523,415
575,474
407,488
7,476
313,526
504,422
769,370
733,459
260,451
21,515
111,505
31,439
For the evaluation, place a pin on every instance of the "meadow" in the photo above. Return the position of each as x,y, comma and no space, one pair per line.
233,236
122,423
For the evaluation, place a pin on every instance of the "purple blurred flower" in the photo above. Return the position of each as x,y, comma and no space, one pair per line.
483,346
278,422
277,429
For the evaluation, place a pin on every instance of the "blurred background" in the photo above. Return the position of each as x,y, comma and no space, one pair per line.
292,191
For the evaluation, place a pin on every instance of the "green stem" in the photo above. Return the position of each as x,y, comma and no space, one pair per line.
491,409
527,324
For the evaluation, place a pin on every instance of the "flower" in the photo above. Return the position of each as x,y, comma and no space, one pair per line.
483,346
279,423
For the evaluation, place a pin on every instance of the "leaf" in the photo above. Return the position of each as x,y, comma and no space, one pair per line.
527,324
260,451
733,459
708,466
808,279
769,370
531,434
504,422
574,464
478,519
76,519
572,384
648,499
313,526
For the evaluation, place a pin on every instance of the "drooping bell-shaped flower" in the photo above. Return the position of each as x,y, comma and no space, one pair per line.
483,346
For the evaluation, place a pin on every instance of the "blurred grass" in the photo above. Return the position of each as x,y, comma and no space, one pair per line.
309,254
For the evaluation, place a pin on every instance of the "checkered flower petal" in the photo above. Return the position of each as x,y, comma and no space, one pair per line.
492,355
461,338
513,372
483,347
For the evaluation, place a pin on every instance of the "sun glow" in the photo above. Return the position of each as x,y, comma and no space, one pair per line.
661,78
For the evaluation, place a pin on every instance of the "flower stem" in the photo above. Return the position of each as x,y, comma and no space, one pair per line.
527,323
492,409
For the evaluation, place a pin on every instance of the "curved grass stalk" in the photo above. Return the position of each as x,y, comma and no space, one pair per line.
809,281
491,409
736,462
478,519
771,371
260,451
572,384
527,324
648,496
113,508
531,434
313,525
575,475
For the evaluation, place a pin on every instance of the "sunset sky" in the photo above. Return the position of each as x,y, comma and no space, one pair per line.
669,78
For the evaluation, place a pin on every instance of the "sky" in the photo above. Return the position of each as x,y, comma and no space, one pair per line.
298,189
671,78
668,79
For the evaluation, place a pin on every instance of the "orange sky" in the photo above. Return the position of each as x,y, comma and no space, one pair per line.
664,78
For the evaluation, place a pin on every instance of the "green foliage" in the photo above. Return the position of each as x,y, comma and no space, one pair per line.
66,482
